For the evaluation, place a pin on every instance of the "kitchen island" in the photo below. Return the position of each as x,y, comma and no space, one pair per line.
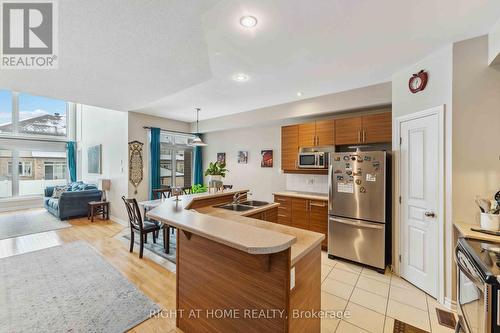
241,274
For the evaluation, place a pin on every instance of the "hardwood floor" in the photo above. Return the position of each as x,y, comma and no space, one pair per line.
147,274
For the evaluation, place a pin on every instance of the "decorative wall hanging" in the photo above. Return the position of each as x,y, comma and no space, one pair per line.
221,158
94,159
266,158
242,157
135,171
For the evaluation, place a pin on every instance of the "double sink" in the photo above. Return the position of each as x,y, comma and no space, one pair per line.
243,206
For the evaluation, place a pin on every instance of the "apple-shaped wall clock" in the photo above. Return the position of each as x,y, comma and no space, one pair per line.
418,81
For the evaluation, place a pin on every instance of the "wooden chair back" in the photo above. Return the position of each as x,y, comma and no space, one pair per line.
134,213
186,190
162,193
227,187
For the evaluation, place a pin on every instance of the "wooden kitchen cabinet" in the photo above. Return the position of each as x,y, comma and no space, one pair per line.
325,133
305,214
289,147
307,134
284,209
317,133
300,213
377,128
348,131
318,218
270,215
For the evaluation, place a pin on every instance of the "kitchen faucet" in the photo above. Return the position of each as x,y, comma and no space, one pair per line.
236,198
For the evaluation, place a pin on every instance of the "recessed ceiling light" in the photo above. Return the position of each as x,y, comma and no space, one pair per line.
248,21
299,93
240,77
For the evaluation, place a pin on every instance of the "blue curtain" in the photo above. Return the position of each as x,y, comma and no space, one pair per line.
154,161
198,165
71,160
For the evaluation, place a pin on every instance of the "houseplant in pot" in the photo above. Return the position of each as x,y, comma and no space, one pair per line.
214,173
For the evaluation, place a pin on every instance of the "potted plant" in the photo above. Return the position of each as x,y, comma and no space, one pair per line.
215,172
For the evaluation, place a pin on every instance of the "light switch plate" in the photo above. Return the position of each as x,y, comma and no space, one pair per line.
292,278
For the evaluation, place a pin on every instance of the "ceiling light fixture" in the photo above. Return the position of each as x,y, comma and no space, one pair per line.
240,77
197,141
248,21
299,93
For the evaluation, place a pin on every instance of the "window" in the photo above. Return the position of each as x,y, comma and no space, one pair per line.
5,111
24,168
175,160
5,175
41,116
55,170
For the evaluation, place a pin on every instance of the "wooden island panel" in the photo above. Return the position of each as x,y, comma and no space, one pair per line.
213,276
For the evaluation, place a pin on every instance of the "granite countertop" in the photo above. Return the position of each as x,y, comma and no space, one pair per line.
234,228
464,230
304,195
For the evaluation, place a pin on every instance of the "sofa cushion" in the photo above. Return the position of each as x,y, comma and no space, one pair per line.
53,202
58,190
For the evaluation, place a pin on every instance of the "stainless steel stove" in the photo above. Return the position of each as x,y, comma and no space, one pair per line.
478,267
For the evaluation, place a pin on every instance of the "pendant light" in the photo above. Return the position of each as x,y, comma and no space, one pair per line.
197,142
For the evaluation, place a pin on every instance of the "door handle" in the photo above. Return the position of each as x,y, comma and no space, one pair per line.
430,214
358,224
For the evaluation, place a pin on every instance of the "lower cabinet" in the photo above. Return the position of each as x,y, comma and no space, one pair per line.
305,214
270,215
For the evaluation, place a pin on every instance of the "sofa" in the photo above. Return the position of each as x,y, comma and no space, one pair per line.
73,202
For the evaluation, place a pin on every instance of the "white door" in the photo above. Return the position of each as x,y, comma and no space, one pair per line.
419,189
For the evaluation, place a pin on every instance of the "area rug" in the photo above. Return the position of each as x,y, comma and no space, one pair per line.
157,248
68,288
28,222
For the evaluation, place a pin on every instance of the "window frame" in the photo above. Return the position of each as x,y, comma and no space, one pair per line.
174,148
16,134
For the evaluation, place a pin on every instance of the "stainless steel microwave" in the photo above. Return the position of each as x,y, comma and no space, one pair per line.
316,160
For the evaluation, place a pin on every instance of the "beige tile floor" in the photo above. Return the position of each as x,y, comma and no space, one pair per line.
373,300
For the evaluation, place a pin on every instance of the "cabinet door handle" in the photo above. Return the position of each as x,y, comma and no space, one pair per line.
364,136
317,205
317,140
359,136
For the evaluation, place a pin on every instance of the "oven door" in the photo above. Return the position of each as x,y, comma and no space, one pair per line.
308,160
473,308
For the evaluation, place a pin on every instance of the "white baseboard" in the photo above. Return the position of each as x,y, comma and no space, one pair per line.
117,220
450,304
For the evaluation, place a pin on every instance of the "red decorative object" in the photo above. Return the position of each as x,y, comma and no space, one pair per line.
418,81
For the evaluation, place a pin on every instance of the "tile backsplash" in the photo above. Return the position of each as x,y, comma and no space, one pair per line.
307,183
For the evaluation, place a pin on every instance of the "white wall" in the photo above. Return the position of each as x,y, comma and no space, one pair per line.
494,45
136,131
262,182
108,128
438,92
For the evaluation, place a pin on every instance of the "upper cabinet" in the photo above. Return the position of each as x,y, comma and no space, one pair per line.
376,128
325,133
289,147
348,130
317,133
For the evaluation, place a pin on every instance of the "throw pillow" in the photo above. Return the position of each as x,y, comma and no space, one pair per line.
58,190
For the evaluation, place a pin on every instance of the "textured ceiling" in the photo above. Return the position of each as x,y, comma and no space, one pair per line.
167,57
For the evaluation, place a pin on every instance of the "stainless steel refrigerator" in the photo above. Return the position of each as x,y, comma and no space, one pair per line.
359,211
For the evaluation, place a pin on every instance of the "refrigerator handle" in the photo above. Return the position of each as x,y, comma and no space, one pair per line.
358,224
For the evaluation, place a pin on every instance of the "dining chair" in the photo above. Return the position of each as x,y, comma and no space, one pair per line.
160,193
186,189
227,187
136,223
